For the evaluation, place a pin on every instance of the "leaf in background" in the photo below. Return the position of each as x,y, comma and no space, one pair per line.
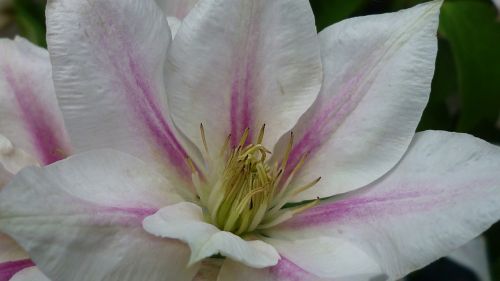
473,31
30,18
328,12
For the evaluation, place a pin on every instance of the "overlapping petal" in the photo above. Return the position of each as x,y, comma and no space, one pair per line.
108,59
378,71
185,221
442,194
81,219
237,64
30,119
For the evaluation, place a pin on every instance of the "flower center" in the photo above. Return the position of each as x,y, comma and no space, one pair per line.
245,192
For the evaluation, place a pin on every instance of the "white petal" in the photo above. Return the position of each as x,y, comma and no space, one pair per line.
108,59
444,192
29,115
29,274
285,270
176,8
327,257
242,63
474,257
80,219
497,3
184,221
378,72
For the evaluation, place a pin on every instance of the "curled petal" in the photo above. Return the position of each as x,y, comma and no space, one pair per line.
184,221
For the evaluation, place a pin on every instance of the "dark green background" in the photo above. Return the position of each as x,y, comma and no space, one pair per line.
465,91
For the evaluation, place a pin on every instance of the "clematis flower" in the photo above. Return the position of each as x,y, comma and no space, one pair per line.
31,132
247,148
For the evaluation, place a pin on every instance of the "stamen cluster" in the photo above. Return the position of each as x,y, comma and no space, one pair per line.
246,194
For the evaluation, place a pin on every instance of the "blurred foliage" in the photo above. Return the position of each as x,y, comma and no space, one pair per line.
29,19
474,35
466,88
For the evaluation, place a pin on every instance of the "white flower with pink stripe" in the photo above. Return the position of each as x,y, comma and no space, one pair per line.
246,147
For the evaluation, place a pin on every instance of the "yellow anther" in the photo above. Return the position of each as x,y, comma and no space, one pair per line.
190,164
244,138
261,134
203,138
247,193
306,187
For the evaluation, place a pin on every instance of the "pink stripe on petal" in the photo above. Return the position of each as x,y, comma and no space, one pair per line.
46,139
139,90
117,215
328,114
325,117
413,198
120,216
286,270
243,88
235,110
9,269
147,109
241,113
